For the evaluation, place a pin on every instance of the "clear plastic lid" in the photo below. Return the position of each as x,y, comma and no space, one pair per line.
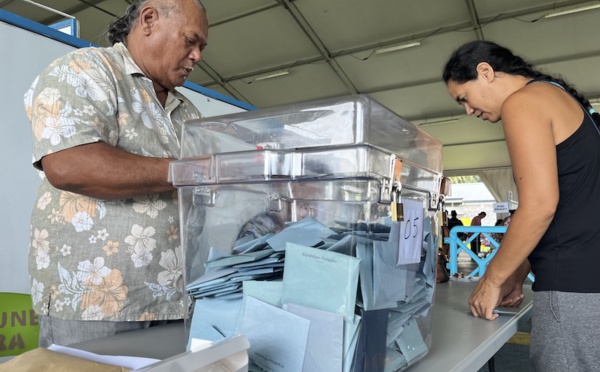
343,121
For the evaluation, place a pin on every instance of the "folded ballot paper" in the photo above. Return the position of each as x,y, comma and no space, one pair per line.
325,345
301,296
227,355
278,337
320,279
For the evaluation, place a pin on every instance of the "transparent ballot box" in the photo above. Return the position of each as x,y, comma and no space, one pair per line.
311,229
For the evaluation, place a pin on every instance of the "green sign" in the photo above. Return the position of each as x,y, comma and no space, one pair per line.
19,328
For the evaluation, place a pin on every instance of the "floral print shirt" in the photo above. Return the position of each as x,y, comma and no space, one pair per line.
91,259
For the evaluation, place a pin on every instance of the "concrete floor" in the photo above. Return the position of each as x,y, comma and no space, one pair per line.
511,358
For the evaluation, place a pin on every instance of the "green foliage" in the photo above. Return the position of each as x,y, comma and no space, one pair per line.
465,179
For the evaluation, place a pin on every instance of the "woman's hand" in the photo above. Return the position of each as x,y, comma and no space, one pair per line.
512,294
484,299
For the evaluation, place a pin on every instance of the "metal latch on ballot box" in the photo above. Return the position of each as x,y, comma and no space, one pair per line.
391,185
206,197
203,196
391,189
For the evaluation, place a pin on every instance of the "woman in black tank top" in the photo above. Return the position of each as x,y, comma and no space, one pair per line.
552,135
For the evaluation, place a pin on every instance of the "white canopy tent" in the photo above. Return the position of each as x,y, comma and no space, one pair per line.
324,48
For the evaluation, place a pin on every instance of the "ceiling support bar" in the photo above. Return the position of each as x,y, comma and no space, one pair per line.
316,41
422,35
475,19
219,79
243,15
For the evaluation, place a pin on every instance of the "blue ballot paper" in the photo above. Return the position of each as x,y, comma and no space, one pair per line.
215,276
430,246
344,245
394,360
226,272
364,253
324,350
248,244
221,289
232,260
278,338
396,323
215,253
270,262
411,343
266,291
321,279
308,268
214,319
351,333
389,279
308,232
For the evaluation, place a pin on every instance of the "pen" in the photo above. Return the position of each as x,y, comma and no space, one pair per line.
501,312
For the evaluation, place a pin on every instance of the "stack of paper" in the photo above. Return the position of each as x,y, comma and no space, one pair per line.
224,275
253,258
307,322
282,290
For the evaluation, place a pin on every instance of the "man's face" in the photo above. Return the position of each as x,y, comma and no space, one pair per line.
176,45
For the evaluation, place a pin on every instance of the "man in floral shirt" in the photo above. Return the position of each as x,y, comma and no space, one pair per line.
105,253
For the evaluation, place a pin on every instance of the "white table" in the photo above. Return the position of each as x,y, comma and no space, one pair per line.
461,342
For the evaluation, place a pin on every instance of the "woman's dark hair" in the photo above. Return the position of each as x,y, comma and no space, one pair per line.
462,67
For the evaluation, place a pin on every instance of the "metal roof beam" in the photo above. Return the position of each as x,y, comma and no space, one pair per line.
223,84
316,41
330,56
475,19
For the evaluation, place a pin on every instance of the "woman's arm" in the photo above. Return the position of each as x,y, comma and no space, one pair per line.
527,123
512,290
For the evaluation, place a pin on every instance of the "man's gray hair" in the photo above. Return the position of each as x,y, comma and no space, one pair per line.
120,28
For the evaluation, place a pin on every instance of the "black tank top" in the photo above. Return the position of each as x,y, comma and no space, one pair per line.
567,258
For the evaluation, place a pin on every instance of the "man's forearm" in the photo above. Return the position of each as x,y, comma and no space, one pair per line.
102,171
